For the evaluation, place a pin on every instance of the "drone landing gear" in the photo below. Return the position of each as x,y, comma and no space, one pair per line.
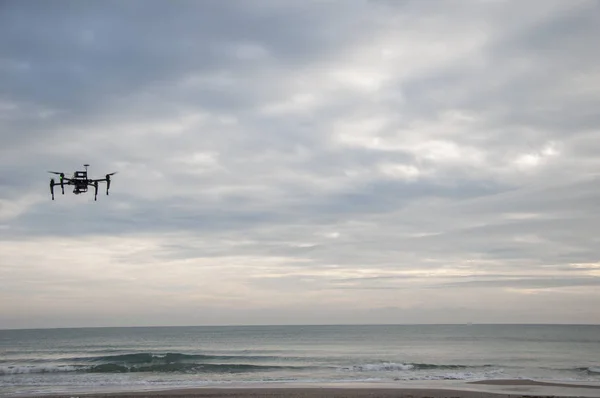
95,190
107,182
52,184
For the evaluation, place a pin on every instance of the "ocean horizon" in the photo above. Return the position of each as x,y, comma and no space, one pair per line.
300,324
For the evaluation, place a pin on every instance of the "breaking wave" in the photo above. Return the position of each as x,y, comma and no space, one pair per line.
147,362
169,357
390,366
592,370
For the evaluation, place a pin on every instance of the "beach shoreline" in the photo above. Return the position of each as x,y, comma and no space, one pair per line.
518,388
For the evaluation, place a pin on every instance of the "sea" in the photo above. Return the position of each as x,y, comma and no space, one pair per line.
39,361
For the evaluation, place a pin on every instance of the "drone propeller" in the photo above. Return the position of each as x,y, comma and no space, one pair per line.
62,175
113,173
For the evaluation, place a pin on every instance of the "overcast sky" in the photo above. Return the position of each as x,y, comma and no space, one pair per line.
291,162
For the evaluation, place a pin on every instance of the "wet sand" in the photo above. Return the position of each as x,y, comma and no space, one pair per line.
479,389
534,383
303,392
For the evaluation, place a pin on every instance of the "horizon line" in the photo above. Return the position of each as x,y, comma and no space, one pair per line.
304,324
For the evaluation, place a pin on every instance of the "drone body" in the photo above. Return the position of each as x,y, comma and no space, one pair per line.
80,181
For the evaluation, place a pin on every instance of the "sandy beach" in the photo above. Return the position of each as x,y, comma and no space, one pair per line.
441,389
314,392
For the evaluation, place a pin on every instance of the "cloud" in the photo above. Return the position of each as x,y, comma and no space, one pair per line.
290,157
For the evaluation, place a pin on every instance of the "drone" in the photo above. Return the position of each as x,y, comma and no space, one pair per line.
81,182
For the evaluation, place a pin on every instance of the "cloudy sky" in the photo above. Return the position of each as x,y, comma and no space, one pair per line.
291,162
